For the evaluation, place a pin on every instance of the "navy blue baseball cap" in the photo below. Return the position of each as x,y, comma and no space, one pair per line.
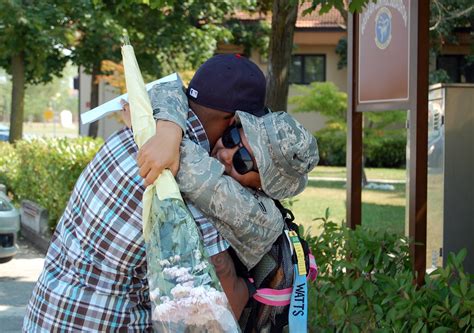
229,83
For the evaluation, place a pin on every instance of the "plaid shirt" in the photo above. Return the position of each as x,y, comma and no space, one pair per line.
94,277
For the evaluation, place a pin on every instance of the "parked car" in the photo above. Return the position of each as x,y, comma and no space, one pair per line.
9,228
4,133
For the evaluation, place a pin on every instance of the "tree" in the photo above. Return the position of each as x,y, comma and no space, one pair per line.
167,35
31,39
284,17
252,35
341,5
170,35
97,38
281,43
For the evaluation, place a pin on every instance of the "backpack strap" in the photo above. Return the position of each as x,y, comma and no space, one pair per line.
273,297
281,297
313,268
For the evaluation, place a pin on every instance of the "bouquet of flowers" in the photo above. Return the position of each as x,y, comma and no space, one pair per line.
185,292
184,289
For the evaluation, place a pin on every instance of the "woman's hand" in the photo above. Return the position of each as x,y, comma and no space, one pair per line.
160,152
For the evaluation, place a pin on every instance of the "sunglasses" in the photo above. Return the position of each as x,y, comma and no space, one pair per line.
242,160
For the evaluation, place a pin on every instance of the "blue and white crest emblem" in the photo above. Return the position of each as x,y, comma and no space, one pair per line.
383,28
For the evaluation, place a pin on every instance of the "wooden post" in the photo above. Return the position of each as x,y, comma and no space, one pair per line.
354,133
418,127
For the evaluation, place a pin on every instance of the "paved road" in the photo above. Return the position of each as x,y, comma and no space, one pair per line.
17,279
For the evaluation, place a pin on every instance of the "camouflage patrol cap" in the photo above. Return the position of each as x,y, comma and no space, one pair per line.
284,150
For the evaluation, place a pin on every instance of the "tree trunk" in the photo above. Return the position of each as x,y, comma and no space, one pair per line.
284,17
18,97
94,127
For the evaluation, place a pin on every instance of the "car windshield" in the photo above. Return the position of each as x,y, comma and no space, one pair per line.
4,205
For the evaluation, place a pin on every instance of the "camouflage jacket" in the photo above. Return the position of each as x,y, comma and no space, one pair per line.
246,218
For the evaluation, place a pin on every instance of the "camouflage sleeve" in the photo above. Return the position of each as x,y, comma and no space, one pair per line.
247,219
169,102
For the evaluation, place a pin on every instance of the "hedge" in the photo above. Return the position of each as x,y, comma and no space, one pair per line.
379,152
45,170
8,165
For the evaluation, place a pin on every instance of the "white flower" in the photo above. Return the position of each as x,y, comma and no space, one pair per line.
164,262
197,255
180,291
201,266
164,299
175,272
188,284
155,294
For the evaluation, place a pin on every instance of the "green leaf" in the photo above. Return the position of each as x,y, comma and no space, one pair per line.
369,290
352,301
357,284
464,321
346,282
354,329
327,213
418,326
424,329
436,311
463,286
442,329
378,309
357,5
461,256
454,310
455,291
325,8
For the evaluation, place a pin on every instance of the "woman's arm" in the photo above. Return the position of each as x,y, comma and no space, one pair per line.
247,219
170,108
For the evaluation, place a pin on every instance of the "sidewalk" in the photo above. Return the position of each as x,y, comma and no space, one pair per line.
17,279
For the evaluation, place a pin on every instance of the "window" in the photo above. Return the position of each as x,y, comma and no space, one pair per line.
307,68
456,67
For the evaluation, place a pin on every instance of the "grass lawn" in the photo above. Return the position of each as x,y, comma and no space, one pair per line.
372,173
380,209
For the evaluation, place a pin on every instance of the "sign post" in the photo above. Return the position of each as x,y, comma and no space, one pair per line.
388,70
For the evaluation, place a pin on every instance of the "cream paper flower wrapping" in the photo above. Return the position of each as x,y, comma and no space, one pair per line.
185,293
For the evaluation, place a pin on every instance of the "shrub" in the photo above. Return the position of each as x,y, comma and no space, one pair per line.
379,151
332,147
365,284
8,165
47,170
386,152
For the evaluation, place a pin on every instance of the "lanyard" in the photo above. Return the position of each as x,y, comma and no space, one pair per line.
298,314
